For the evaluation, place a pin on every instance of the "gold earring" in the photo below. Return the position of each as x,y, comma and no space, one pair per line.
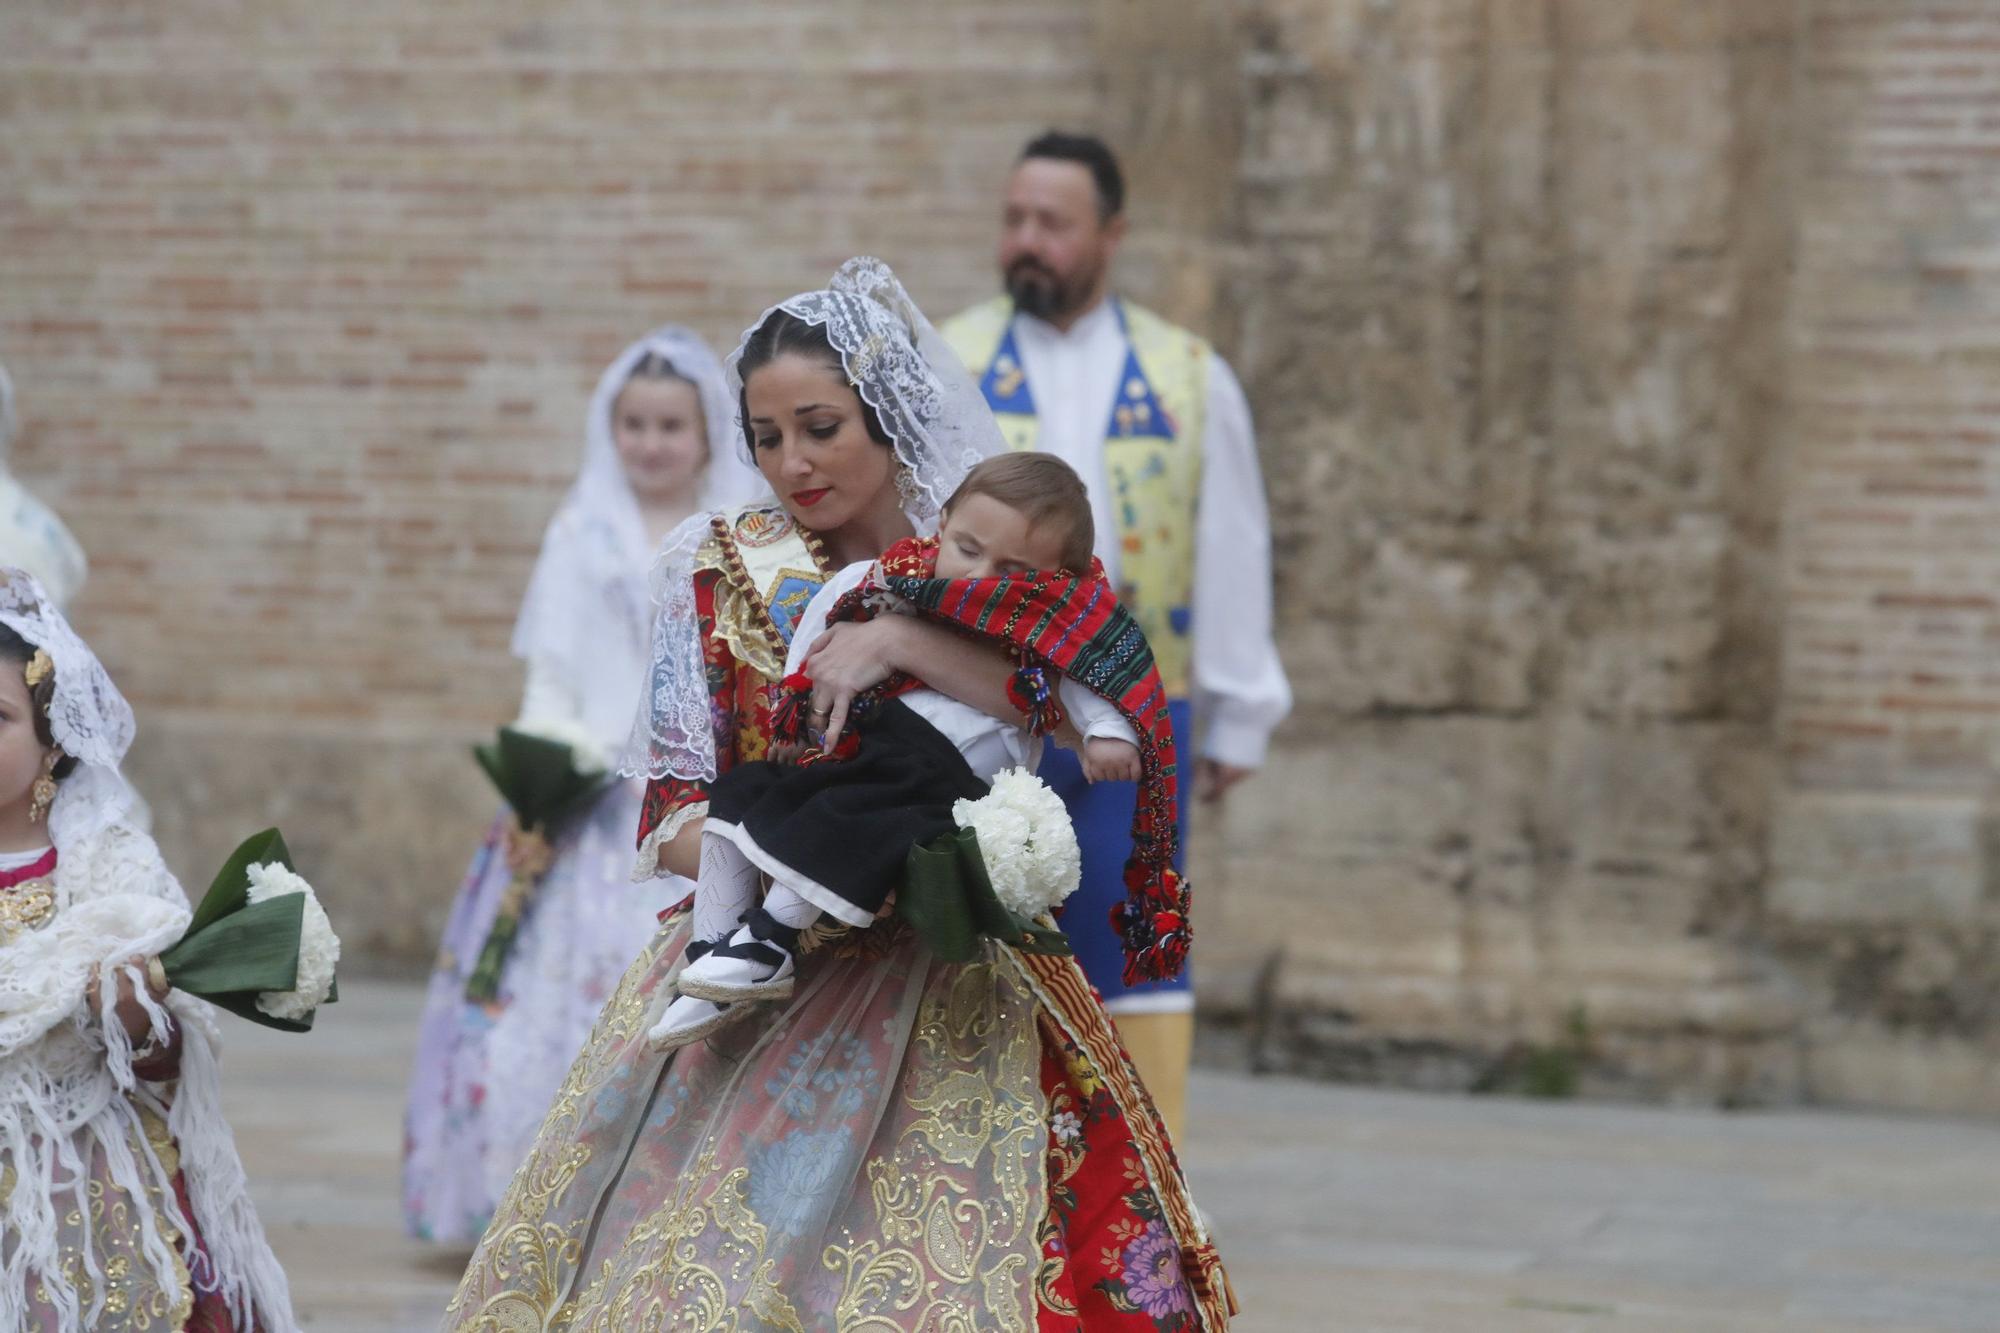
43,794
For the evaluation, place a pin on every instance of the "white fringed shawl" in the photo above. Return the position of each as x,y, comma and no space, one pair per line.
67,1091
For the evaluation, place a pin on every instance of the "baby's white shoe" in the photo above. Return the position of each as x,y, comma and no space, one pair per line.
688,1020
746,968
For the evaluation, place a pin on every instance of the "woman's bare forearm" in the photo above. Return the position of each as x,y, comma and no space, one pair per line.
970,670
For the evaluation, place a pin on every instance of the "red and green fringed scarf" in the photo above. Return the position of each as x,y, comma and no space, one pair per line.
1071,624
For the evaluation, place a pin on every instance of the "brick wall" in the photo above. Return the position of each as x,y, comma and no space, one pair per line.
1620,366
304,303
1886,869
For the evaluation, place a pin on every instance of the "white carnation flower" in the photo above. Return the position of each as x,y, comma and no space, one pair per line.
589,757
1026,840
319,947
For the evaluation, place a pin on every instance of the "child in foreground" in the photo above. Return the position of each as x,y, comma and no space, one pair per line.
123,1205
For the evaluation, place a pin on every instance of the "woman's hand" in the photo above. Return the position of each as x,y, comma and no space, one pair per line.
844,661
132,1015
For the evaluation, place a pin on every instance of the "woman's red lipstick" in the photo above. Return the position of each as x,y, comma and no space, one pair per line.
812,497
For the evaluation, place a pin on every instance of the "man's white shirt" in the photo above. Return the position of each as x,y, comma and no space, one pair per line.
1239,685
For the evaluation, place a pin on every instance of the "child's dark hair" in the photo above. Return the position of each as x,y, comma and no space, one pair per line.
19,652
1043,489
784,333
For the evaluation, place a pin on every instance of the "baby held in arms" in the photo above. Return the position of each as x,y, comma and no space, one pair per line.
832,833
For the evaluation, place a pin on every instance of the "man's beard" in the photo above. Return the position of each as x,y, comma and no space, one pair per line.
1037,291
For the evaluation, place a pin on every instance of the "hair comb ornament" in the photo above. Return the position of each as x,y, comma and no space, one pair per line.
39,668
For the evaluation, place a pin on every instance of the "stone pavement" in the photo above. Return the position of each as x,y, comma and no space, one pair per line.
1337,1208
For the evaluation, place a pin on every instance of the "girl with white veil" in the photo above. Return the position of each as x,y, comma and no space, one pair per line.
123,1204
908,1143
657,447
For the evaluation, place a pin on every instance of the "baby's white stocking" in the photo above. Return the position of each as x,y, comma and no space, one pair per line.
726,891
788,909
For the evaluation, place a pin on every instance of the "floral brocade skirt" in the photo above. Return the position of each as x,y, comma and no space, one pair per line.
905,1144
485,1072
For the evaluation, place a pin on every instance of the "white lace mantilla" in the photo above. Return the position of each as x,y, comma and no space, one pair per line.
936,419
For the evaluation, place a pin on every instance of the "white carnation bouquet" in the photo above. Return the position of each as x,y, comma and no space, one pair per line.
319,947
259,945
1013,859
1027,841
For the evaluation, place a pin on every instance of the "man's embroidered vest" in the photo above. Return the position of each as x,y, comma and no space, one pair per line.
1152,457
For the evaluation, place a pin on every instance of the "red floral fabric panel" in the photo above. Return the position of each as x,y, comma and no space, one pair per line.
1109,1260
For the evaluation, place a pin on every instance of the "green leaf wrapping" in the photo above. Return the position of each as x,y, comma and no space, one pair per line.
230,888
536,777
255,949
949,901
234,950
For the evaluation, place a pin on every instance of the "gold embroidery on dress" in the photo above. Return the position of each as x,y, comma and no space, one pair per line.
523,1260
746,600
133,1302
1054,1264
742,625
24,907
844,941
177,1310
1065,1159
957,1203
1096,1059
675,1284
929,1228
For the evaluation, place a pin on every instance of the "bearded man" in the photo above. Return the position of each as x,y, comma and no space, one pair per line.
1157,426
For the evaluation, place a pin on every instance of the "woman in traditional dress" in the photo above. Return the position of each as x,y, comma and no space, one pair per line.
657,446
123,1206
908,1143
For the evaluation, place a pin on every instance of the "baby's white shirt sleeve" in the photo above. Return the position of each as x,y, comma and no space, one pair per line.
1094,714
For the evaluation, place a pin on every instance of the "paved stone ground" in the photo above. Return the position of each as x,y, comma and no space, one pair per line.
1337,1208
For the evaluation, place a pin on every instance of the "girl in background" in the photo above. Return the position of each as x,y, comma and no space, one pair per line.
657,448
